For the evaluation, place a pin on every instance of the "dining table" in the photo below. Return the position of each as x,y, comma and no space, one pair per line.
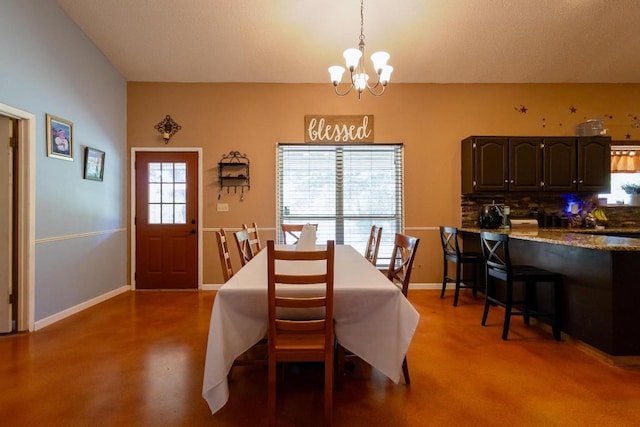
372,318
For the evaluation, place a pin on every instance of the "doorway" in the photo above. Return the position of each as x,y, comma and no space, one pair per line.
166,208
8,224
18,219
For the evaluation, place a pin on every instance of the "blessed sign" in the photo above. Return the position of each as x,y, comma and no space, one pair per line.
338,128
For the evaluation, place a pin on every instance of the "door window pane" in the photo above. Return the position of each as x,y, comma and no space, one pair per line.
154,193
180,193
167,193
154,214
180,214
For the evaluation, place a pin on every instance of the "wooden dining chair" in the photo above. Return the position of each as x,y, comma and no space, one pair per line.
373,244
225,256
244,248
254,237
495,248
300,340
399,272
293,231
452,253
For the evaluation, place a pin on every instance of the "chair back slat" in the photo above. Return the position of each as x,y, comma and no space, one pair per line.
402,257
449,240
495,248
225,256
309,302
292,231
254,237
373,244
244,248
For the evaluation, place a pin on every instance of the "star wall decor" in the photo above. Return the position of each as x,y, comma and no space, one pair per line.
522,109
573,109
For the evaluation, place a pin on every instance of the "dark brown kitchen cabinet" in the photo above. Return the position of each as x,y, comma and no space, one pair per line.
525,164
500,164
580,164
484,164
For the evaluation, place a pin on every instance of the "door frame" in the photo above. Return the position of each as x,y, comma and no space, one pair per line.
132,204
26,215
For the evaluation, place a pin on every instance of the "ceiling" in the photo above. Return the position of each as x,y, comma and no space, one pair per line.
430,41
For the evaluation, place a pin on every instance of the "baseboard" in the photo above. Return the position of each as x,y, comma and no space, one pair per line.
619,361
428,286
78,308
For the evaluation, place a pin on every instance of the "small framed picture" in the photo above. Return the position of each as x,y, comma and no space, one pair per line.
59,138
93,164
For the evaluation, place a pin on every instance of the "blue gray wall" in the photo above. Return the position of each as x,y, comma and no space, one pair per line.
47,65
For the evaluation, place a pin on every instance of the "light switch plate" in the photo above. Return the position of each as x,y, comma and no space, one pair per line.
223,207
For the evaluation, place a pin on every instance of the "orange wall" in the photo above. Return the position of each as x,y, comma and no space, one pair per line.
429,119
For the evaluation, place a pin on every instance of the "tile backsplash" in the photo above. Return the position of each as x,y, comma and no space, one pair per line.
528,206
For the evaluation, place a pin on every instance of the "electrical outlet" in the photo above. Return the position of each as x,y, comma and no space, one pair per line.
223,207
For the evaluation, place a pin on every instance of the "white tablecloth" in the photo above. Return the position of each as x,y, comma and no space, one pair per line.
372,319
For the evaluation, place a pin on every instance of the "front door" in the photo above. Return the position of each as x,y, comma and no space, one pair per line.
166,220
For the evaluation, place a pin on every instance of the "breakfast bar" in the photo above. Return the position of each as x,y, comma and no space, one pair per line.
601,290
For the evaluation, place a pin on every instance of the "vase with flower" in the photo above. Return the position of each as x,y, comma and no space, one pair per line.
633,190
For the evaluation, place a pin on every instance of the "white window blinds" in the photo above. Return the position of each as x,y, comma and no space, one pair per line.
344,189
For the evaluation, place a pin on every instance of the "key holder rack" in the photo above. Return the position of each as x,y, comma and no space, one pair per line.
233,172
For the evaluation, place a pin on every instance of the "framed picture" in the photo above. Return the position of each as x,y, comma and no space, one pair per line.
59,138
93,164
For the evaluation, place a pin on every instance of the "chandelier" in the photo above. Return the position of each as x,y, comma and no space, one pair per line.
354,59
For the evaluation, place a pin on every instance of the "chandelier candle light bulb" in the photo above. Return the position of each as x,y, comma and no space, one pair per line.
355,64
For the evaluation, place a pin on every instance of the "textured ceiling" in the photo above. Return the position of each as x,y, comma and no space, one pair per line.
430,41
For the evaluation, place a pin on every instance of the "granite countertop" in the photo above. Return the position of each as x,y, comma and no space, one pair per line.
570,237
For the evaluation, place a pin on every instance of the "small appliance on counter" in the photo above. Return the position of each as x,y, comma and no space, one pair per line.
524,223
490,216
524,226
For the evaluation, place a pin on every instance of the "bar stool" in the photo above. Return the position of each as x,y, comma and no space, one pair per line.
451,252
495,248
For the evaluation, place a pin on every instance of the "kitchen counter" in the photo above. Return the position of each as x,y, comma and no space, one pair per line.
600,291
580,237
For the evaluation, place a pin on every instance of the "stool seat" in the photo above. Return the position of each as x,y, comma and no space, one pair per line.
495,248
452,253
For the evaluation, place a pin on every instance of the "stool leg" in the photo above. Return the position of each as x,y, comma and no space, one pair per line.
445,269
529,292
487,296
474,271
507,311
557,312
457,293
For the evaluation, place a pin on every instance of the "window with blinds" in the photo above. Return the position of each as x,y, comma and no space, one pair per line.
345,189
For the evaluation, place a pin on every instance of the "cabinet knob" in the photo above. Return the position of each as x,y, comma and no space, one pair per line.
574,181
506,181
581,181
512,181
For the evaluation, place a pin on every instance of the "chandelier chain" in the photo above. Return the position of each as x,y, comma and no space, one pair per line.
362,22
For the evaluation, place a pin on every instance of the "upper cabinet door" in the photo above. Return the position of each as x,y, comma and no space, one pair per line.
560,164
491,164
525,164
594,164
